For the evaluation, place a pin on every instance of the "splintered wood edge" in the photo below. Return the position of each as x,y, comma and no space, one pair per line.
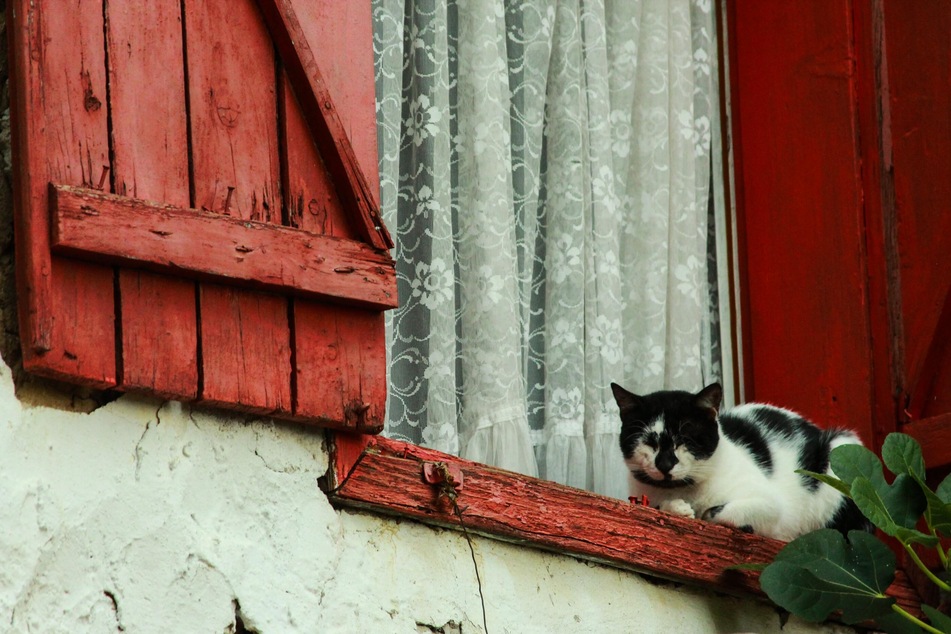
384,475
116,229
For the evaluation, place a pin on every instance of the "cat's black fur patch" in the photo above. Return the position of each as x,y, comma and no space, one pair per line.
712,512
744,432
814,454
849,518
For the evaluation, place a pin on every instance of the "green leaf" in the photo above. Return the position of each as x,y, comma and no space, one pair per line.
895,623
937,619
820,572
853,461
937,512
944,490
895,509
832,481
902,454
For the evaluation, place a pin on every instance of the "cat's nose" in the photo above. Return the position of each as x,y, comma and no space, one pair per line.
665,462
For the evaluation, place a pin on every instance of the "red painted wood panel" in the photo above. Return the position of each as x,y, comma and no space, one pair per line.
159,335
880,228
234,128
919,81
387,476
332,31
60,122
340,355
799,198
341,365
198,117
246,347
236,171
147,85
312,199
243,252
357,193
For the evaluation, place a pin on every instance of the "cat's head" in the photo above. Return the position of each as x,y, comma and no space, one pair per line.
667,437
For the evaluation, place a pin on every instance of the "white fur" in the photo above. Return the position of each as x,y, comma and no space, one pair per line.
776,505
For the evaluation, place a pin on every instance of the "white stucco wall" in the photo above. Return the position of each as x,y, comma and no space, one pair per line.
149,517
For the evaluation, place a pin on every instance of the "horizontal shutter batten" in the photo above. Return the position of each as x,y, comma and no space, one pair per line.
103,227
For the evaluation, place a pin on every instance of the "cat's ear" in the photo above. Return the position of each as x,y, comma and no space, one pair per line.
709,398
625,400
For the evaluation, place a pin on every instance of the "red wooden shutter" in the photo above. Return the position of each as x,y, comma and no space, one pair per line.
843,180
196,199
916,82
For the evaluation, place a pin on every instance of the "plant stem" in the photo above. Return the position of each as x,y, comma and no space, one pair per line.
942,556
938,582
915,620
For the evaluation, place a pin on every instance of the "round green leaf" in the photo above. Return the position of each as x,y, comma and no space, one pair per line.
938,620
854,461
821,572
893,508
944,490
902,454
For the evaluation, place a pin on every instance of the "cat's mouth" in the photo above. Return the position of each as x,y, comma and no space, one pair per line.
666,483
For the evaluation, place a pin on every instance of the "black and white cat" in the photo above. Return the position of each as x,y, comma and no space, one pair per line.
737,468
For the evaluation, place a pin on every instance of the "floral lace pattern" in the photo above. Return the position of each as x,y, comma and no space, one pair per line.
546,171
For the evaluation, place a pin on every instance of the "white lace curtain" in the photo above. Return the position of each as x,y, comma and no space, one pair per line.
546,170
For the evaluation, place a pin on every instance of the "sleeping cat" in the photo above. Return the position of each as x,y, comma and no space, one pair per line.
740,472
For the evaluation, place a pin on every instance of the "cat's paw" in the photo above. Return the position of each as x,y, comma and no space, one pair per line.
678,507
726,514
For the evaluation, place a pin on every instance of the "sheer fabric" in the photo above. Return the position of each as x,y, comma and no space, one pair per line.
546,171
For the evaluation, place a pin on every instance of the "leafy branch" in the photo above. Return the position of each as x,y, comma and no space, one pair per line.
823,572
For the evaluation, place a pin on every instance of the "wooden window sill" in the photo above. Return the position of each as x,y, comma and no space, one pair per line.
386,476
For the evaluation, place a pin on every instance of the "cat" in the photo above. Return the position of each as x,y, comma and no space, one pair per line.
737,468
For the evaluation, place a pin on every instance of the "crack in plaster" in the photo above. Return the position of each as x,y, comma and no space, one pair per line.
138,444
115,609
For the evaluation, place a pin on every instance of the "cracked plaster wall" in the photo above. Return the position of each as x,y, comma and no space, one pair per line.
149,517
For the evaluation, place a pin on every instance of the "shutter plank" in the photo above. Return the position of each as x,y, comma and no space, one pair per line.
159,335
150,149
245,336
319,107
312,200
340,354
341,366
60,123
232,91
245,346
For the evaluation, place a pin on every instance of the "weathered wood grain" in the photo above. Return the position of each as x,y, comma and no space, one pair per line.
312,200
233,108
172,239
159,335
147,85
332,29
319,109
340,363
59,123
387,477
232,80
245,350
